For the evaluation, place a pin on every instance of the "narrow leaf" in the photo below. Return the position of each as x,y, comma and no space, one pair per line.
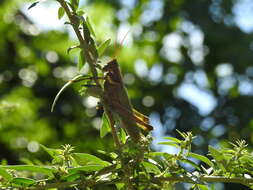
191,163
90,26
61,12
54,153
81,60
103,47
71,177
202,187
5,174
169,144
33,5
72,47
32,168
173,139
74,3
201,158
156,154
23,182
150,167
87,159
216,154
80,13
62,89
105,128
88,168
123,135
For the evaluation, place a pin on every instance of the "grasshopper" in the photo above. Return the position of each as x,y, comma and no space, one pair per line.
116,97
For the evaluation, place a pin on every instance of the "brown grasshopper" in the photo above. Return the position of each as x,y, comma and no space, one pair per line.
116,97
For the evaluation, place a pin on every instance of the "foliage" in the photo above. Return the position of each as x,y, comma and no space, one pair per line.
145,169
228,165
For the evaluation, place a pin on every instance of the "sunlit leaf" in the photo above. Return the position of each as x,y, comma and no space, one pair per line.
154,154
120,186
32,168
150,167
201,187
88,168
81,60
90,26
5,174
74,3
54,153
72,47
216,154
103,47
87,159
80,12
105,128
23,182
201,158
62,89
123,136
61,12
71,177
173,139
190,162
169,144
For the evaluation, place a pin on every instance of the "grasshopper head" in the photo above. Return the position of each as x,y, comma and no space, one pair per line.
111,66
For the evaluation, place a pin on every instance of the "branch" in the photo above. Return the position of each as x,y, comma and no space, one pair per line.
208,179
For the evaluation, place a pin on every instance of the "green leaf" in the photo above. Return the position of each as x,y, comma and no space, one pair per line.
123,135
105,128
54,153
150,167
216,154
169,144
23,182
72,47
88,168
80,12
90,26
32,168
33,5
103,47
156,154
71,177
120,186
61,12
61,90
173,139
5,174
191,163
201,158
74,3
87,159
201,187
81,60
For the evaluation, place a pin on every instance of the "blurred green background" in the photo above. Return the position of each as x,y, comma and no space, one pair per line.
186,64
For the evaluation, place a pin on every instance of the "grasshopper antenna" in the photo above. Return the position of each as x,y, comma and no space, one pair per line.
120,45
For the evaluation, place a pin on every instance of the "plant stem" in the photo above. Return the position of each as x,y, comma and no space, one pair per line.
84,46
82,41
157,180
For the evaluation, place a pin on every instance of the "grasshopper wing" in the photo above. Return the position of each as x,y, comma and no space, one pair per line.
129,115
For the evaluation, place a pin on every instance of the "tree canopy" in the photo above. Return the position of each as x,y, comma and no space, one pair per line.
186,64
